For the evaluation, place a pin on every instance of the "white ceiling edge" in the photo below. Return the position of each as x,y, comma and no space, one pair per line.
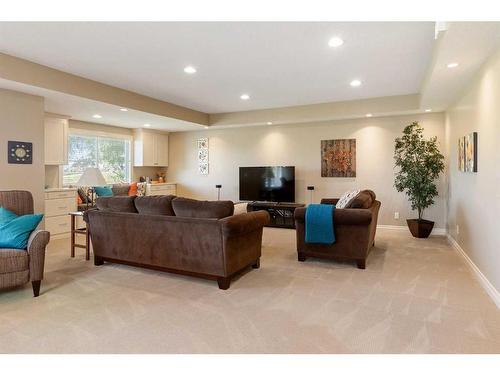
82,109
469,44
334,119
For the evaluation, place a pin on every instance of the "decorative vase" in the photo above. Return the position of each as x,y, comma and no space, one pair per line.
420,228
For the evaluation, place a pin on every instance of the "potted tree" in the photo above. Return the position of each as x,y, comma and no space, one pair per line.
419,164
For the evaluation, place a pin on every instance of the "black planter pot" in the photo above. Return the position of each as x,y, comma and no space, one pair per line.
420,228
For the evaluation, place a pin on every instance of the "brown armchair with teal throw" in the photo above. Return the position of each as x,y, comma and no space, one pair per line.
354,228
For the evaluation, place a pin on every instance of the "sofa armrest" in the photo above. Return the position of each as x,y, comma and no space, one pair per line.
341,216
37,242
243,223
299,214
86,213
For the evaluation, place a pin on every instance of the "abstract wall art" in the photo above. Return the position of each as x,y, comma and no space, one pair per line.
338,158
202,148
19,152
467,153
471,152
461,154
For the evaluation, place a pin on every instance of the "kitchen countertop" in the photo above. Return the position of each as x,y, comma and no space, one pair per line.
50,190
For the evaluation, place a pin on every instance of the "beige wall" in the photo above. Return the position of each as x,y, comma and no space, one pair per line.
299,145
474,198
21,119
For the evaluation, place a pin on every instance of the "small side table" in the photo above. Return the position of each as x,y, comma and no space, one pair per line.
75,231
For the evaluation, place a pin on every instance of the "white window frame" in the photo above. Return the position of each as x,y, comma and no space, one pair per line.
106,135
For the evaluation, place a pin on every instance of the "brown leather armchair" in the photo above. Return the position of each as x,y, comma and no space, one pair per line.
17,267
354,232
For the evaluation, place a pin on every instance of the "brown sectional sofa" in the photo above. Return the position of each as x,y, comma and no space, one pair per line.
354,226
197,238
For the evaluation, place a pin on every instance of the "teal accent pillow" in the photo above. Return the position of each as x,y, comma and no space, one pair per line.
103,191
15,230
6,215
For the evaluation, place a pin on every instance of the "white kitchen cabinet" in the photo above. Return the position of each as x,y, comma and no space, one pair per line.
56,141
150,149
58,204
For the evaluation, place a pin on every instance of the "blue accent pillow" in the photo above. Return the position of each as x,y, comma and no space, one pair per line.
6,215
103,191
15,230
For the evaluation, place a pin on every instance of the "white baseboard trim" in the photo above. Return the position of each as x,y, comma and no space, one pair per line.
485,283
435,231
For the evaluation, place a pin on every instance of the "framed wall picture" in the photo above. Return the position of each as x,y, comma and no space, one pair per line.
203,168
461,154
338,158
19,152
471,152
203,152
203,156
202,143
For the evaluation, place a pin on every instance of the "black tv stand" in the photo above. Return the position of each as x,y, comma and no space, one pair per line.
281,213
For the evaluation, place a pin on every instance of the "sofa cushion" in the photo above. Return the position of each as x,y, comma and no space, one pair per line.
84,196
364,199
346,198
185,207
13,260
6,215
120,189
103,191
116,204
132,191
155,205
15,230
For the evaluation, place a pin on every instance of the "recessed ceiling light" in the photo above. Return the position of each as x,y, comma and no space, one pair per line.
269,123
428,110
97,116
190,69
124,109
452,65
206,127
147,125
245,97
335,42
355,83
369,115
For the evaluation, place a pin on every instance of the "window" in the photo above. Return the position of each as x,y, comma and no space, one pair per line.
110,155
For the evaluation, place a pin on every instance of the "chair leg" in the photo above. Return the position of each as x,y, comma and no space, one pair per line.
301,257
36,287
224,282
361,263
256,264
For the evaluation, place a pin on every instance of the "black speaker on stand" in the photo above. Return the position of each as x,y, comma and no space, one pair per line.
218,187
311,189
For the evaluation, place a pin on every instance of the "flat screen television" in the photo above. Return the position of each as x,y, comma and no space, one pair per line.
269,184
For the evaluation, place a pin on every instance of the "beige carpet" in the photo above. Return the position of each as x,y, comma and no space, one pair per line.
416,296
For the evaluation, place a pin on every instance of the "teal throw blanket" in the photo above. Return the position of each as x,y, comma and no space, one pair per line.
319,224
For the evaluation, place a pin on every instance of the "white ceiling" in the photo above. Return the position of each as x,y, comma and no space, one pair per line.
467,43
83,109
278,64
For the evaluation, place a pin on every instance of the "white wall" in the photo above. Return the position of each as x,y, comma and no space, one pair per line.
299,145
21,119
474,198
